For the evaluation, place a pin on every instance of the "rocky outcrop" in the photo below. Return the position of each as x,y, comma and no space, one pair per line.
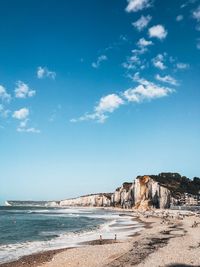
149,193
94,200
123,196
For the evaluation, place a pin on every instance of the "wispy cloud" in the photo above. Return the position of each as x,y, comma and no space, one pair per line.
21,114
23,127
44,72
132,62
146,90
3,111
4,96
22,90
158,62
167,79
107,104
137,5
182,66
100,59
135,61
158,31
143,42
196,14
54,113
28,130
142,22
179,18
189,2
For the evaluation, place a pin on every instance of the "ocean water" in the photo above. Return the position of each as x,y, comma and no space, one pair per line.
28,230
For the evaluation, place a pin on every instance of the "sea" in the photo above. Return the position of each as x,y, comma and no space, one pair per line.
28,230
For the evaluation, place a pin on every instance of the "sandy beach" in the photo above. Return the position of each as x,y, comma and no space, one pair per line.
168,239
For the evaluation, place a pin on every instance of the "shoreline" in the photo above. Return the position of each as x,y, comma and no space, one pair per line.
46,255
160,231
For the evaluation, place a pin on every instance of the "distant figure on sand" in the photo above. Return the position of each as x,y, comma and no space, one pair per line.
100,239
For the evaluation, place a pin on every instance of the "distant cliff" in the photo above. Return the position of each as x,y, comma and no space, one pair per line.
158,191
145,192
95,200
30,203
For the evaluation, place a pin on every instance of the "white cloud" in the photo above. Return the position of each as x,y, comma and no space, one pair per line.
145,90
28,130
133,61
143,43
24,128
182,66
4,95
107,104
159,65
158,31
166,79
21,114
136,5
189,2
23,123
179,18
158,62
128,65
22,90
101,118
196,14
139,51
43,72
142,22
99,60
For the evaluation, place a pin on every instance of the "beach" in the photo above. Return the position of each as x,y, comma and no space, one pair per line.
169,238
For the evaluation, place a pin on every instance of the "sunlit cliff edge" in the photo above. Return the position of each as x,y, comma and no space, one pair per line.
145,192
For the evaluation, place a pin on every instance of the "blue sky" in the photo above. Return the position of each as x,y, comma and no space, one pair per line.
94,93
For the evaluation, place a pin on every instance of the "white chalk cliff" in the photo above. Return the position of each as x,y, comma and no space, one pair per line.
145,192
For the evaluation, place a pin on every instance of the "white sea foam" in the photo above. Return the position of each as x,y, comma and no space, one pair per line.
123,226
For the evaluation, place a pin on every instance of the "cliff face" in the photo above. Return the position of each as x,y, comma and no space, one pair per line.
157,191
149,193
96,200
123,196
